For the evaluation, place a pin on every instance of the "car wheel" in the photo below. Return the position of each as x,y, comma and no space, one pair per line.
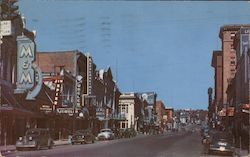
72,143
50,145
38,147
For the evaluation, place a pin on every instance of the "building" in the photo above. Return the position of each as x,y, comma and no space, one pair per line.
107,95
218,82
239,90
169,111
17,49
227,35
131,106
65,73
224,62
160,112
150,97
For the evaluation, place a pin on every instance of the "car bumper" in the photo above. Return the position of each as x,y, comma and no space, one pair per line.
103,138
220,149
77,141
25,145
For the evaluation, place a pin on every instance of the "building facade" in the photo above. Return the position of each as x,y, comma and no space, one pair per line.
131,106
160,112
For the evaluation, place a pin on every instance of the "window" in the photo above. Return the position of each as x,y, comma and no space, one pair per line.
124,124
232,48
232,35
232,62
124,108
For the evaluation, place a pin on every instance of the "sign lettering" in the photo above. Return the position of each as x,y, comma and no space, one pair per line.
25,57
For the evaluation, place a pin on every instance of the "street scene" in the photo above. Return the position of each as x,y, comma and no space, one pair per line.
124,78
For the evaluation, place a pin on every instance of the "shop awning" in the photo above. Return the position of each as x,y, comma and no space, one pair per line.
9,102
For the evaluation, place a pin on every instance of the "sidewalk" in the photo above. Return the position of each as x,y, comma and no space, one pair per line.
240,153
10,148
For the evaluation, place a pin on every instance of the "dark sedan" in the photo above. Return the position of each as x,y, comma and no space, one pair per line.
221,142
83,137
35,138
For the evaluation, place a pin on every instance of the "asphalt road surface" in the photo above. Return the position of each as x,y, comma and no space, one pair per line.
181,144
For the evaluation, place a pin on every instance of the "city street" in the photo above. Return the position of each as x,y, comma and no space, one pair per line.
180,144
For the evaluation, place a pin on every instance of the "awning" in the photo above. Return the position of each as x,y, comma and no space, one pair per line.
9,103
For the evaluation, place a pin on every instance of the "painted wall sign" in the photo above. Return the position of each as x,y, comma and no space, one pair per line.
25,57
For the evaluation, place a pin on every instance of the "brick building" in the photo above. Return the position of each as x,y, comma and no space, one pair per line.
217,65
160,111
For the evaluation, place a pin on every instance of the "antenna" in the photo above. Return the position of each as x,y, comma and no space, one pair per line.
116,70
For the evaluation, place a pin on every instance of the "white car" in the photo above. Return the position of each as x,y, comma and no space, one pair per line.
106,134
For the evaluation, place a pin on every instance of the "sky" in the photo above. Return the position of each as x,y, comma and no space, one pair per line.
160,46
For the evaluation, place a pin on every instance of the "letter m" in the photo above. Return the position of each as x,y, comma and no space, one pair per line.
25,78
26,51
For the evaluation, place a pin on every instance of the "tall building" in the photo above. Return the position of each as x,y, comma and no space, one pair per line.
240,88
227,35
218,81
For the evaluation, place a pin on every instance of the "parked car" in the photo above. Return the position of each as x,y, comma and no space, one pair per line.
35,138
117,132
128,133
106,134
83,137
221,142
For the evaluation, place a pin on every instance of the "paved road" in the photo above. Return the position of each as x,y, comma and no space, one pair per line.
184,144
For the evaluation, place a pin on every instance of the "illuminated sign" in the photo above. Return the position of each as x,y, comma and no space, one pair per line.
78,90
25,57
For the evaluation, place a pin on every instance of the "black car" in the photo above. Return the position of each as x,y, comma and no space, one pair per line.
221,142
83,137
35,138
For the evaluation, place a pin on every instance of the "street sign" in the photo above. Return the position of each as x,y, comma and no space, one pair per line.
5,28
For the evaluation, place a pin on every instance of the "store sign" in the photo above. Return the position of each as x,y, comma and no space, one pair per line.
5,28
78,90
25,57
100,112
69,111
46,108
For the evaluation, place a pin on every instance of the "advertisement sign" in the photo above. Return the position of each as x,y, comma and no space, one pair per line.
46,108
69,111
5,28
25,57
78,90
244,45
150,97
244,40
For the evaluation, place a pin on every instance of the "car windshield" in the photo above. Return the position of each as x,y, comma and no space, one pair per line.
32,133
106,130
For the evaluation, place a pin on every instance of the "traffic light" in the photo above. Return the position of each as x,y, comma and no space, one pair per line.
9,10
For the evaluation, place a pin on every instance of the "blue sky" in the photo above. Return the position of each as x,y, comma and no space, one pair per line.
159,46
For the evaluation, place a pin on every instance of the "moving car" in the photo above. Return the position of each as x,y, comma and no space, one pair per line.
106,134
221,142
35,138
83,136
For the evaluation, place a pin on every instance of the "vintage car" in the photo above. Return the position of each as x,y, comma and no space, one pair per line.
35,138
221,142
106,134
83,137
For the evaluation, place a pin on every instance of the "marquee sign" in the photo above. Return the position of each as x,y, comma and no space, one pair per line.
25,57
